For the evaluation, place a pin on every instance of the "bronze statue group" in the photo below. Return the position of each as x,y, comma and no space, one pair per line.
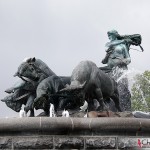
104,90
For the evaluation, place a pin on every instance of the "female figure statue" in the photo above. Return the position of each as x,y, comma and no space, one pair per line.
118,50
117,59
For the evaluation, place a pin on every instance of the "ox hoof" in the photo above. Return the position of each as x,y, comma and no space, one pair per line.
31,115
100,109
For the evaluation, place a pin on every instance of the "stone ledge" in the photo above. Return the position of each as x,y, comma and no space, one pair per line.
72,133
67,125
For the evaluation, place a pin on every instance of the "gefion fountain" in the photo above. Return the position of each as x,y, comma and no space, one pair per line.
91,109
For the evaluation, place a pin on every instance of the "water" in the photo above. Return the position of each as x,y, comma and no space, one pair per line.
131,74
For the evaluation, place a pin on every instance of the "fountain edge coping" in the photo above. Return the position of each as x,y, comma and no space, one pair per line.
73,124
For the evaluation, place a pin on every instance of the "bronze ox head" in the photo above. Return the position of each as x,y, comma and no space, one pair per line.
75,93
27,70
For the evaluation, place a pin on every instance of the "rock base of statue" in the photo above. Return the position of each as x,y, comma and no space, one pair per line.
124,95
120,76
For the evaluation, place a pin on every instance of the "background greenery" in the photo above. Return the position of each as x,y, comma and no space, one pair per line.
141,92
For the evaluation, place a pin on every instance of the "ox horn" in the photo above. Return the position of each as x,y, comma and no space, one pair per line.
73,87
3,100
16,74
82,85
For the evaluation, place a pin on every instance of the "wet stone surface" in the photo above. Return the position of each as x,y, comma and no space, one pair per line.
5,143
100,142
78,142
69,142
80,133
133,143
33,142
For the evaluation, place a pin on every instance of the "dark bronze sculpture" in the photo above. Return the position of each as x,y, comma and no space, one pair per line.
39,85
18,98
31,73
92,83
117,50
117,58
45,94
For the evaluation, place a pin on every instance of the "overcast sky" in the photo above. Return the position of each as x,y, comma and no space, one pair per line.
64,32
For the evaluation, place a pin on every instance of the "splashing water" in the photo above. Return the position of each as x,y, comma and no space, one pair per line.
65,113
118,74
142,95
52,110
22,112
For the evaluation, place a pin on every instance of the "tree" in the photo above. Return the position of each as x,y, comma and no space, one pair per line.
140,92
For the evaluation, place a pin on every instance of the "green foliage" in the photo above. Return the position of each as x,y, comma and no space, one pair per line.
141,92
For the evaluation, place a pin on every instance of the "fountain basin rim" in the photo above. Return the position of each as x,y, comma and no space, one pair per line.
73,124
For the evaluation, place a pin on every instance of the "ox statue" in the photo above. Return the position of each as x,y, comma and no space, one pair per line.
89,82
31,71
18,98
46,94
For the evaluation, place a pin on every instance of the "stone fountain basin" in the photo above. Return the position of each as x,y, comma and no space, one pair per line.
72,133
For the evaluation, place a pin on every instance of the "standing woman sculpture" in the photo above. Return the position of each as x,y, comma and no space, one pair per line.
117,51
117,58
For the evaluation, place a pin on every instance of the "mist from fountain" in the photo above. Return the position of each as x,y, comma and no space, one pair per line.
118,74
